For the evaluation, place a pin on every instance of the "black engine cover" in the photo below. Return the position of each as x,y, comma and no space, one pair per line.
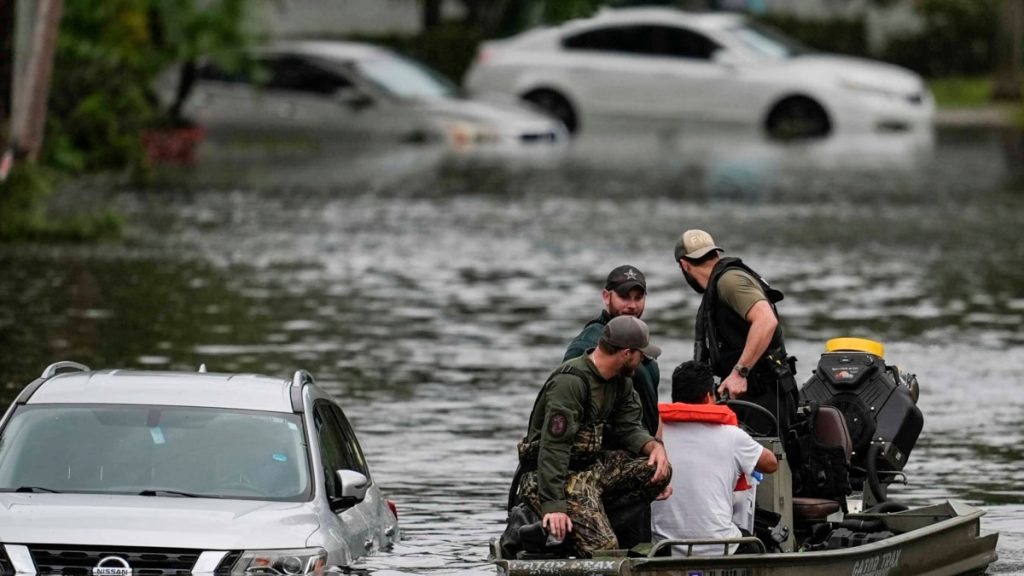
876,406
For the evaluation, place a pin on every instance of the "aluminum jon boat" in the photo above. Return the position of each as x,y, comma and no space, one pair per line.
864,413
939,540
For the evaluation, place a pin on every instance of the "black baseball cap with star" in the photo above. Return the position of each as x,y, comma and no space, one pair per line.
625,278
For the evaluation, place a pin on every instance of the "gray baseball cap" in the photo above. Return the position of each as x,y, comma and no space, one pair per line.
630,332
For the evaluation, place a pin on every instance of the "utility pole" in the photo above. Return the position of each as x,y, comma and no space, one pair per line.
31,88
6,66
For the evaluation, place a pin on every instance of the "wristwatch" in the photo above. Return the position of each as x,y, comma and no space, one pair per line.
742,370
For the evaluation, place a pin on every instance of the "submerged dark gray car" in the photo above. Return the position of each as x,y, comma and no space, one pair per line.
115,473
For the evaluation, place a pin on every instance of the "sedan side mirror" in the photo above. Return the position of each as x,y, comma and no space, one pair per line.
724,58
353,98
350,489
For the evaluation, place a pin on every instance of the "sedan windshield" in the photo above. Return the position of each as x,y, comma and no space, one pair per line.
406,78
767,41
154,451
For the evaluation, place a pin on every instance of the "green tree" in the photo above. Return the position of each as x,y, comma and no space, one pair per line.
109,55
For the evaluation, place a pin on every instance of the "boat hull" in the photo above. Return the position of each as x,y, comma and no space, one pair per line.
940,540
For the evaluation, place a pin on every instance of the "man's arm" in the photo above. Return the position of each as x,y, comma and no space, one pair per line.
564,409
658,458
762,327
767,462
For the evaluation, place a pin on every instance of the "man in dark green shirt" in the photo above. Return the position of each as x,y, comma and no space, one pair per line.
567,471
625,293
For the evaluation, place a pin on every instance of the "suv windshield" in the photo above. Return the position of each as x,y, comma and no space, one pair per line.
406,78
155,451
767,41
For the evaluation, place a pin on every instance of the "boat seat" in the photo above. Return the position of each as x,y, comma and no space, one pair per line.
830,430
809,510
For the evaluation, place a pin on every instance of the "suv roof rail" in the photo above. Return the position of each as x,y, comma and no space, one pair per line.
300,378
56,367
49,372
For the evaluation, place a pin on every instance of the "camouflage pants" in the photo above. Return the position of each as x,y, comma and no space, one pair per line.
617,473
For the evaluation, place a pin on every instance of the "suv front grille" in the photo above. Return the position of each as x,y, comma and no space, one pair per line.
6,568
227,563
79,561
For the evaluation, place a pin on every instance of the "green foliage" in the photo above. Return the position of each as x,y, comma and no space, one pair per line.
21,200
958,39
558,11
839,35
109,55
23,214
448,48
962,91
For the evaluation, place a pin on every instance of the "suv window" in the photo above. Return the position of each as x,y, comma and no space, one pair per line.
645,39
339,449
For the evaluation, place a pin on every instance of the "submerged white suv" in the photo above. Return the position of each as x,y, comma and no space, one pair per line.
132,473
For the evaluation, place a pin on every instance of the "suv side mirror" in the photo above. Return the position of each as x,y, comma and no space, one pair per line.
351,489
352,97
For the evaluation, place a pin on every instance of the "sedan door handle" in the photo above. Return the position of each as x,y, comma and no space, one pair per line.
285,110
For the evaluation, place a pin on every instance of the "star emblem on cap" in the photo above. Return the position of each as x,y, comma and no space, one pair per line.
631,274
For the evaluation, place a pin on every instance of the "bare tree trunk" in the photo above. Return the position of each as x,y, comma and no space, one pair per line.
29,118
1009,45
431,14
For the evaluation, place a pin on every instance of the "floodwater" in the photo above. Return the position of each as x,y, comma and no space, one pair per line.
433,293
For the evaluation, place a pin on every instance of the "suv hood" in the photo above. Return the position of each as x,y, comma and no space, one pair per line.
197,523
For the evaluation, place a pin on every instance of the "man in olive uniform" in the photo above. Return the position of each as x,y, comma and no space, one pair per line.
567,473
738,331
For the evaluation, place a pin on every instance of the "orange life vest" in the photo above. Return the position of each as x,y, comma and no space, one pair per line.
706,414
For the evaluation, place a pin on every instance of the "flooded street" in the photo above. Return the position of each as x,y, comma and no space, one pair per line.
432,295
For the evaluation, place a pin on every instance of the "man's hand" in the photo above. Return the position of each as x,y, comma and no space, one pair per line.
658,458
734,383
665,493
558,524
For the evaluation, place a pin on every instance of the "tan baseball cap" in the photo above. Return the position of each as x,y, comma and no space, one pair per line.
695,244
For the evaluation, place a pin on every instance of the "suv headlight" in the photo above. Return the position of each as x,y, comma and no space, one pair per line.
293,562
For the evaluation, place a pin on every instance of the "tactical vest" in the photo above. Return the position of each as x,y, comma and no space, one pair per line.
721,333
589,435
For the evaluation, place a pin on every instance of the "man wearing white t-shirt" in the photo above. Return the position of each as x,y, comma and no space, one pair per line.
709,453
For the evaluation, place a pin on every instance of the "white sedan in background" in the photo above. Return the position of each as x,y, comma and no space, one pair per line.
662,63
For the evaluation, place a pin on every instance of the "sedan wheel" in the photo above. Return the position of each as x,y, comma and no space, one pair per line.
554,105
797,118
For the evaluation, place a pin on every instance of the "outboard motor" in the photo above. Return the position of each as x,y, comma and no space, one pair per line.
878,402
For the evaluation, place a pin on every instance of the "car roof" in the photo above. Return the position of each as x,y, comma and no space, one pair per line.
330,49
235,391
699,20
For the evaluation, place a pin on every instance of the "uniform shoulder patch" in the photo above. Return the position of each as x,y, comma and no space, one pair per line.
557,425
